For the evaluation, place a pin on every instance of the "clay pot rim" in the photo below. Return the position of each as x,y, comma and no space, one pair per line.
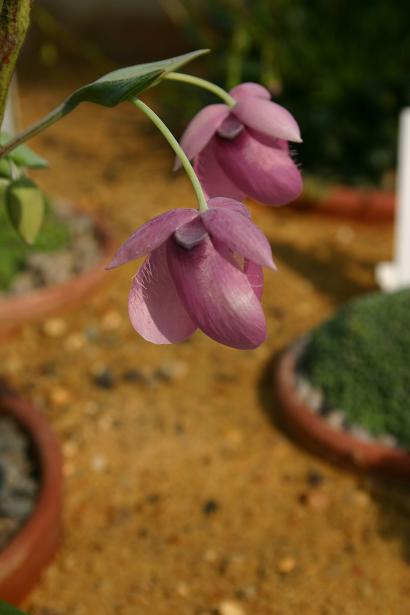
355,203
19,569
17,310
320,437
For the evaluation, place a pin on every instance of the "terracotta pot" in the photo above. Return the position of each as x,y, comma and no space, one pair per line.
18,310
369,205
317,435
23,559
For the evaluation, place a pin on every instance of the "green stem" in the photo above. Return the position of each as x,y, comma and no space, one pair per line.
202,205
14,22
203,83
33,130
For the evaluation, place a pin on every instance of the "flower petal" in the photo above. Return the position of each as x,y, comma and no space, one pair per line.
239,234
265,173
201,129
249,89
155,309
255,277
151,235
267,117
213,179
227,203
217,295
190,234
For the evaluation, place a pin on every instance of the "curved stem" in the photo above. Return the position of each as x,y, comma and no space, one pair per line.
33,130
202,205
204,84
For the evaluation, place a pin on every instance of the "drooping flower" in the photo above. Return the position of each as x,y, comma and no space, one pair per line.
203,270
243,151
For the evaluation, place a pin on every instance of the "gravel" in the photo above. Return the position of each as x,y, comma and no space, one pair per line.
18,484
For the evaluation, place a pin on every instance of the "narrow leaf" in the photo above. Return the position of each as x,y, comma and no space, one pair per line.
25,207
122,84
22,156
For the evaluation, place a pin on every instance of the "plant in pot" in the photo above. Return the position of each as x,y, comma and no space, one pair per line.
348,103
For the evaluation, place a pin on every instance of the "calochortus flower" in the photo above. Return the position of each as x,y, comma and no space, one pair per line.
203,270
243,150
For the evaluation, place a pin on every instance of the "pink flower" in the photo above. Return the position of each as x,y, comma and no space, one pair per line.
243,150
204,270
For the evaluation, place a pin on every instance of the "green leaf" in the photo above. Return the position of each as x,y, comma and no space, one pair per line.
22,156
7,609
5,170
122,84
25,207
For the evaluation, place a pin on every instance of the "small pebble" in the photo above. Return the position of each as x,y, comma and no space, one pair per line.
55,327
336,419
133,375
98,463
210,556
182,590
344,234
314,478
210,507
74,342
172,370
111,320
228,607
286,565
104,378
59,397
316,499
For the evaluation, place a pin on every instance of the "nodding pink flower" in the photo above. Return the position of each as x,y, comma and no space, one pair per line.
243,151
203,270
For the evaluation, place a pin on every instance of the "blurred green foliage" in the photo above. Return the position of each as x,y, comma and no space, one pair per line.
343,68
360,360
53,236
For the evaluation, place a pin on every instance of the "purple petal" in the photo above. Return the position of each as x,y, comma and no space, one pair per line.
255,277
267,174
239,234
217,295
151,235
230,128
230,204
155,309
268,118
213,179
191,234
249,89
201,129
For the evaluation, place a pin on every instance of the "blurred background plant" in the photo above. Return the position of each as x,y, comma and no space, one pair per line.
340,67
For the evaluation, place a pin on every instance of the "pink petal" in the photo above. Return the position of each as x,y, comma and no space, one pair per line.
239,234
230,204
267,174
249,89
201,129
151,235
255,277
268,118
191,234
213,179
217,295
155,309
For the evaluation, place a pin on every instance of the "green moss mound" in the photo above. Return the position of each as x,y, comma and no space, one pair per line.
53,236
360,359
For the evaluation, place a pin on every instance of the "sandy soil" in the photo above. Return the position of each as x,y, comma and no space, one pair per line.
182,496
